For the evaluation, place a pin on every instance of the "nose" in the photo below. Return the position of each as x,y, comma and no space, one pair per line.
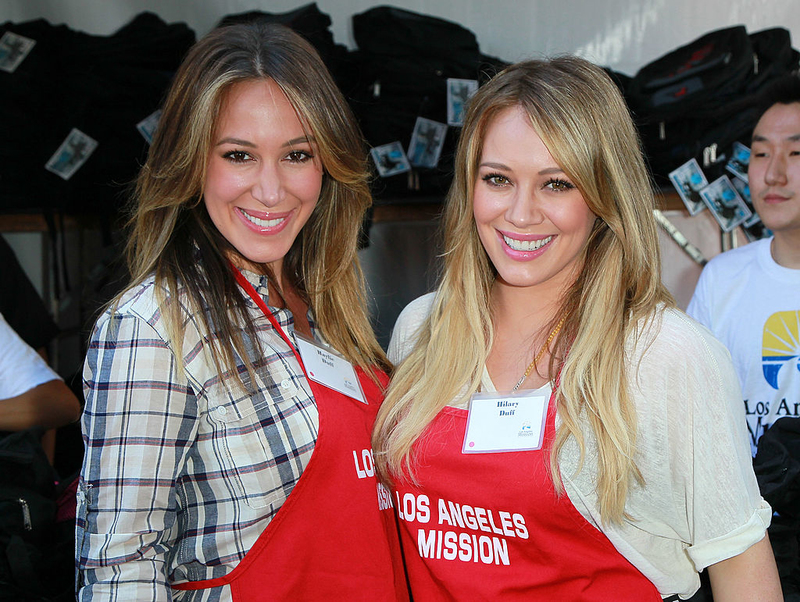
776,170
267,187
524,209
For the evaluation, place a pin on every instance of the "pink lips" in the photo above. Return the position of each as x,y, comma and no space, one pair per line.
773,198
261,215
524,255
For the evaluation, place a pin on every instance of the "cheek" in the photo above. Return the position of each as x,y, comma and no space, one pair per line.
222,184
793,173
306,187
484,209
576,219
755,174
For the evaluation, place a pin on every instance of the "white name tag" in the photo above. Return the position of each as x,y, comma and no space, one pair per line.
502,422
326,367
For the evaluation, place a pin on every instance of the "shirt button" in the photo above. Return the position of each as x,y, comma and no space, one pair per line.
286,383
222,410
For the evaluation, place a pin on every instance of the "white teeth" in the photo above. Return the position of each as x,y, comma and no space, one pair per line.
262,223
526,245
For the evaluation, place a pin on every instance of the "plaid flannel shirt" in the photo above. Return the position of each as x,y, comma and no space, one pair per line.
183,471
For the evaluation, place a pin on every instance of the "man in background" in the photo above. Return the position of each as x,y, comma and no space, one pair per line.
750,297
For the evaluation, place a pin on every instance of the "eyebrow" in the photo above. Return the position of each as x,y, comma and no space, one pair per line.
248,144
236,141
300,140
544,172
792,138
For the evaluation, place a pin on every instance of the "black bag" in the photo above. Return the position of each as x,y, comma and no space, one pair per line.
101,85
402,64
699,77
36,553
773,55
777,468
702,94
314,26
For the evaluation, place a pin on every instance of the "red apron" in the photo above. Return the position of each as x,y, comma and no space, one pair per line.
335,537
491,527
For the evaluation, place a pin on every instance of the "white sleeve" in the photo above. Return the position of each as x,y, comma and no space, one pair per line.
404,333
729,514
21,368
706,453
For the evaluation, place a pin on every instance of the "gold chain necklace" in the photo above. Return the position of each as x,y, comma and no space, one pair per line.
540,354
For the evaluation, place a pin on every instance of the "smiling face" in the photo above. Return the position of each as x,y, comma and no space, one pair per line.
774,171
263,177
531,219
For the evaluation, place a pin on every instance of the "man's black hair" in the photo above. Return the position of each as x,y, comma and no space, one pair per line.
784,90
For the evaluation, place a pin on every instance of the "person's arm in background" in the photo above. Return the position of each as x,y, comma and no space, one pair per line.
49,405
26,313
31,394
699,306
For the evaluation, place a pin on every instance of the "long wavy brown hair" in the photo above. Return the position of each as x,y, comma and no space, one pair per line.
173,237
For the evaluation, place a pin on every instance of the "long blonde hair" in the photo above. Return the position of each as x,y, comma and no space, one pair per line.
581,117
171,229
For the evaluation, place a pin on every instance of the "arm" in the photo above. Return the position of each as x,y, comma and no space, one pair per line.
748,577
49,405
729,515
139,423
31,394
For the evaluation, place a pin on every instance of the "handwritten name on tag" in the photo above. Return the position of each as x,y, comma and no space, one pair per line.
328,368
502,422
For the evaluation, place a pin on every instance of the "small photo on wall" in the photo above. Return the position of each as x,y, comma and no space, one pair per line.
390,159
725,204
427,141
739,161
72,154
13,50
459,91
688,180
743,188
147,126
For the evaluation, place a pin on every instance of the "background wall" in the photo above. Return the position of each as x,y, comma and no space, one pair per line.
622,34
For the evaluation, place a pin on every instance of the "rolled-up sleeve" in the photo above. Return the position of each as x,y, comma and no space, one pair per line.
727,514
139,422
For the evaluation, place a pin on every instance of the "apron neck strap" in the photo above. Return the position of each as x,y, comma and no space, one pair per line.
251,292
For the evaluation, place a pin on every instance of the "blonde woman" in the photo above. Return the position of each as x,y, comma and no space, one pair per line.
557,430
223,460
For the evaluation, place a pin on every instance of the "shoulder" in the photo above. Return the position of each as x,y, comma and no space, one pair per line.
404,333
736,260
670,344
137,303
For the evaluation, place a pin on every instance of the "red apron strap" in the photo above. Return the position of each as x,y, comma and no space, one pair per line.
251,292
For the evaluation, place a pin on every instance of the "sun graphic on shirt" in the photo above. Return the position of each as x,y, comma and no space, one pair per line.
780,344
